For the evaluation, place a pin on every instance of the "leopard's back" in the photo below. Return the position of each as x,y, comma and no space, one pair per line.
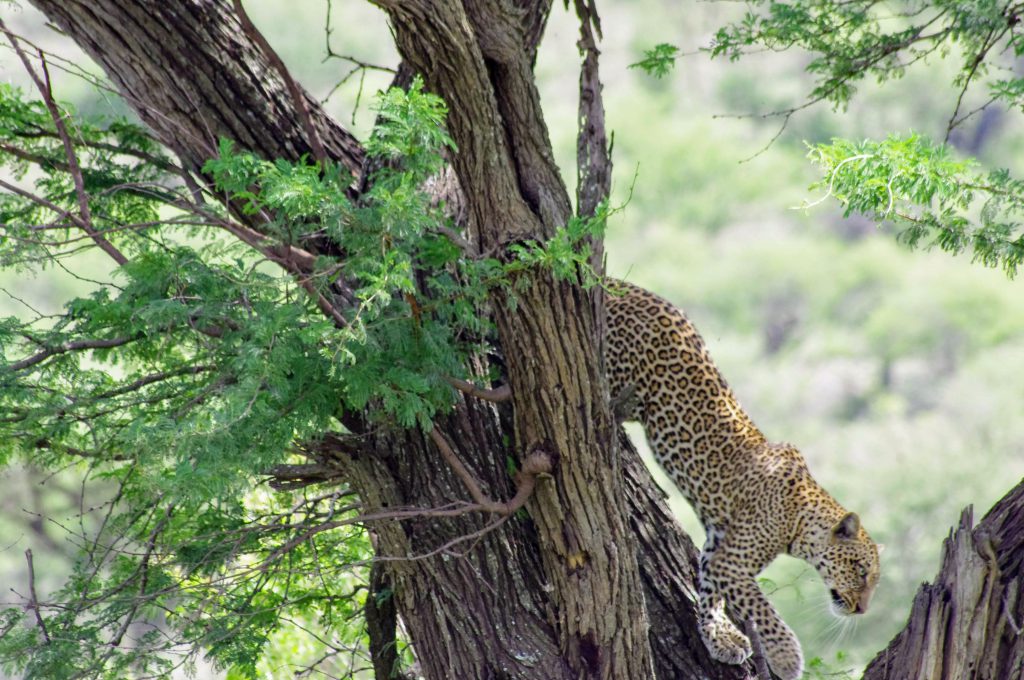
697,430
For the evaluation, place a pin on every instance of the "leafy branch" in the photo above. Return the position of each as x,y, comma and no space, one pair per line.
931,197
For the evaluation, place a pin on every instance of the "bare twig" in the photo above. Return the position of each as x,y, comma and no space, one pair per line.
297,96
43,84
497,394
534,464
157,161
33,602
759,658
329,52
39,200
143,571
987,44
152,378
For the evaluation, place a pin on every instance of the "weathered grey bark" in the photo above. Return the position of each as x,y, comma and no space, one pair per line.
969,623
553,600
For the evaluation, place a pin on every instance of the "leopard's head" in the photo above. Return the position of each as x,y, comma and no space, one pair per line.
848,563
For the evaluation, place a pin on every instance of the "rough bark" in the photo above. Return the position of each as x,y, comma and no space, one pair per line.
472,56
382,624
967,624
474,603
481,608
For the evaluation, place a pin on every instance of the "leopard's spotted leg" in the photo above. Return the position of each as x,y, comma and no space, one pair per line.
731,573
723,639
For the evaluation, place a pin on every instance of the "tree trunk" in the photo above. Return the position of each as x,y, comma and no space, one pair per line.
473,57
967,625
557,599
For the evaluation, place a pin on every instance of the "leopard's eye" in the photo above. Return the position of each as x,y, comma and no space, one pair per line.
862,569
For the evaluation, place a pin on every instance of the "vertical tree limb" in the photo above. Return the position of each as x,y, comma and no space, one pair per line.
472,55
759,659
593,158
382,624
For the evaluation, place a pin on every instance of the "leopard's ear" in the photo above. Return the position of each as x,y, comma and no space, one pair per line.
847,528
880,547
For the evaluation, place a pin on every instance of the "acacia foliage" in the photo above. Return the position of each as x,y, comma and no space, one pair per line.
199,364
909,181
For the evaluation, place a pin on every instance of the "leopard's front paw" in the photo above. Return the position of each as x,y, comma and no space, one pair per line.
724,640
786,662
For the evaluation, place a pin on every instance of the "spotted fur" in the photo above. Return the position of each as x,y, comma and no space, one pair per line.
756,499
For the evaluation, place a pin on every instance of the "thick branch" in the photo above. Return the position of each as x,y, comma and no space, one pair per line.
301,105
496,394
194,76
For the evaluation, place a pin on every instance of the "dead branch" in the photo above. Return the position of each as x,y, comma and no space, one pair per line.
593,157
291,477
497,394
759,658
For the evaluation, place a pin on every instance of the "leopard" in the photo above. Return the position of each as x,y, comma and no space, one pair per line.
755,499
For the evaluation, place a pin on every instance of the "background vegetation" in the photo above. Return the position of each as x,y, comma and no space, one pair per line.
895,372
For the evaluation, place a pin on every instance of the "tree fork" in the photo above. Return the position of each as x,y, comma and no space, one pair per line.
458,628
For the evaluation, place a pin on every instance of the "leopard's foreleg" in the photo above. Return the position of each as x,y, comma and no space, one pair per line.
727,575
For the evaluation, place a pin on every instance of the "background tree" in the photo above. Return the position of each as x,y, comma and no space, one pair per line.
272,352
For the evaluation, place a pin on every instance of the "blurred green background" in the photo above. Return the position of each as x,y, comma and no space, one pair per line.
897,373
